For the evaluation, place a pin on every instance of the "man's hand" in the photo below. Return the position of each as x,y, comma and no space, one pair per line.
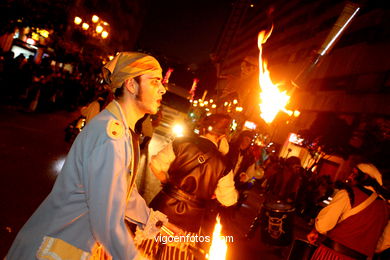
312,237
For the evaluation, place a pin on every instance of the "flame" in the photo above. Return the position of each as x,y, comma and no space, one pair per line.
272,99
218,246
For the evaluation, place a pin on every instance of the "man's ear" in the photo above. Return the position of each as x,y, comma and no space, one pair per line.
130,85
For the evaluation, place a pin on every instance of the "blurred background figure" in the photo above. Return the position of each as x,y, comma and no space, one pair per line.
284,184
102,99
240,156
356,220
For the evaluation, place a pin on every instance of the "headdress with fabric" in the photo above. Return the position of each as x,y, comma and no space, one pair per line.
371,171
127,65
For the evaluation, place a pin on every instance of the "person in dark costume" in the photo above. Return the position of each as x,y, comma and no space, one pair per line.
193,172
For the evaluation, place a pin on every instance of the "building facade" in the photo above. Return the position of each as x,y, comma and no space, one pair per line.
351,80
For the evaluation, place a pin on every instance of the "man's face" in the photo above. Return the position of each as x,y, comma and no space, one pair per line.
150,92
245,142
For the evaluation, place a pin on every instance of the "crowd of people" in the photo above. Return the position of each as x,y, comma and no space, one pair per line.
47,85
200,174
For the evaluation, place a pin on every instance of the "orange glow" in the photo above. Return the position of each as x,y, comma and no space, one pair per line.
104,34
272,99
95,18
85,26
77,20
218,246
99,29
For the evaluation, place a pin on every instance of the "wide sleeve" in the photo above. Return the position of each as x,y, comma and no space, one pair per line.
330,215
106,190
225,192
137,211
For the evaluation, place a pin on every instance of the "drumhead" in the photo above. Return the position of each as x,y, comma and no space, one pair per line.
279,206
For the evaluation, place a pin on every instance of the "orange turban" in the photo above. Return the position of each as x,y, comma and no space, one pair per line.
127,65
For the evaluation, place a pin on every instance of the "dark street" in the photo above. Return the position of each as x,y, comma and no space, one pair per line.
32,149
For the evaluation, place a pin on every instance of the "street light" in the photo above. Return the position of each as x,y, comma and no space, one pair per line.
95,18
99,29
85,26
77,20
104,34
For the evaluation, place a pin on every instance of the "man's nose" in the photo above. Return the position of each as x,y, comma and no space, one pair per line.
162,89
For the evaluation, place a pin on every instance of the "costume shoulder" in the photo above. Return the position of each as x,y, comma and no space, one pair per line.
115,129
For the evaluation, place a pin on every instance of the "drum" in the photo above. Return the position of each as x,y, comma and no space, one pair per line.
277,223
301,250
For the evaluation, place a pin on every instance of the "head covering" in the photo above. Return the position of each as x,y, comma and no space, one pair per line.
128,65
293,160
247,133
371,171
217,124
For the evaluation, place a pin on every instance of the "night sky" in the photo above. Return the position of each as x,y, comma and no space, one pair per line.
184,30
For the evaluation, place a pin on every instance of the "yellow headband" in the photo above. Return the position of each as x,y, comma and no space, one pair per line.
128,65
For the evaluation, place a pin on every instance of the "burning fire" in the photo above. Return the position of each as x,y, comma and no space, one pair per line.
272,99
218,246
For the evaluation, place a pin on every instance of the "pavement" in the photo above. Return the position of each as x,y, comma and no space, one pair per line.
32,151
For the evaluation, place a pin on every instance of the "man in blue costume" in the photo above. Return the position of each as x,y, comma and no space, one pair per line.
94,195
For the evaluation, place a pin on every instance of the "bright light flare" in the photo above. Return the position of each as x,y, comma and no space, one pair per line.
104,34
218,246
99,29
77,20
178,130
272,99
95,18
85,26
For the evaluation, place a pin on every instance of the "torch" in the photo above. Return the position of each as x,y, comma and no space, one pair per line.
349,12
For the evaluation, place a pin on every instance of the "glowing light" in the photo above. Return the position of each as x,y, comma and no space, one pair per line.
95,18
211,100
295,139
178,130
250,125
239,109
213,106
272,99
77,20
167,76
99,29
235,101
226,103
44,33
234,125
297,113
30,41
339,32
218,246
110,57
104,34
35,36
85,26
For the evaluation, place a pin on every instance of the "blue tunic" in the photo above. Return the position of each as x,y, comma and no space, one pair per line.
88,203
